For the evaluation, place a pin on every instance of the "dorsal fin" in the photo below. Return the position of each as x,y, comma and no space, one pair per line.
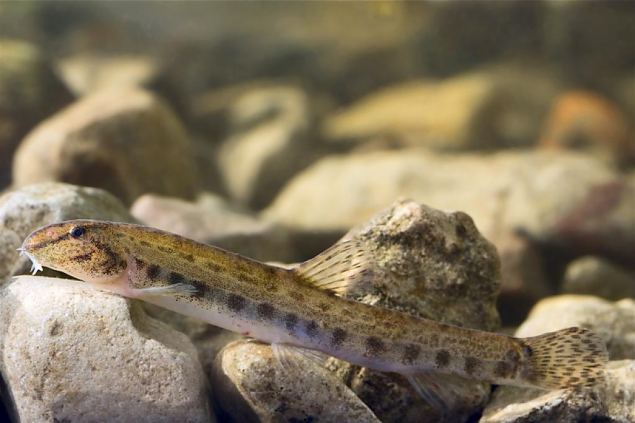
338,267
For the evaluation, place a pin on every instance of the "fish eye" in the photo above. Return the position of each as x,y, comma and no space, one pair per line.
77,231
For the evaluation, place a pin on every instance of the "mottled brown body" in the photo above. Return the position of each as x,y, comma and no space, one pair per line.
273,304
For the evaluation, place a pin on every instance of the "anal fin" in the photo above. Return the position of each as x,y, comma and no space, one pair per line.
444,392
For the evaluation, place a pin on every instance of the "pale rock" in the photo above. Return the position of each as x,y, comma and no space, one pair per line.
86,73
613,321
252,386
268,143
26,209
72,353
211,220
595,276
619,396
29,92
429,264
125,140
525,190
586,120
614,401
524,276
601,222
458,113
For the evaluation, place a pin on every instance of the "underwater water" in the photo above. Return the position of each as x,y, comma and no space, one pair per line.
482,152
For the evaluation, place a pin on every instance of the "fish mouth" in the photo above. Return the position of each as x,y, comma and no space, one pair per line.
35,264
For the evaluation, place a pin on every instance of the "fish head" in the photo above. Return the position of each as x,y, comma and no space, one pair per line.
83,249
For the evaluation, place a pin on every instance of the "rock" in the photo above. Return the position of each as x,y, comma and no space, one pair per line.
586,121
615,322
24,210
620,392
600,222
207,339
430,263
211,220
29,92
529,192
596,276
526,405
433,265
89,73
72,353
524,277
210,111
269,143
458,113
252,386
125,141
612,401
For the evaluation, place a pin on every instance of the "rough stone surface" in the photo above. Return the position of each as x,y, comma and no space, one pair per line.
612,401
29,92
433,265
26,209
619,396
587,121
595,276
615,322
462,112
251,386
72,353
125,141
269,143
212,220
525,405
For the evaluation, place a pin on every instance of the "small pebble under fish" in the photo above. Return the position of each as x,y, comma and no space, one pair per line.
304,309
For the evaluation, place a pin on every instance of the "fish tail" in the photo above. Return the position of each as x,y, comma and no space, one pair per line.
572,357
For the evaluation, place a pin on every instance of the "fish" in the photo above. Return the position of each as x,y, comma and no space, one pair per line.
305,308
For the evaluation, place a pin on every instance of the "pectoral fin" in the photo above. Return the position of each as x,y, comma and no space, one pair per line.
183,289
289,356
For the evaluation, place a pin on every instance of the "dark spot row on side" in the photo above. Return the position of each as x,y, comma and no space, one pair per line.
471,365
266,311
442,358
153,271
175,278
374,347
410,354
312,328
290,321
338,337
236,302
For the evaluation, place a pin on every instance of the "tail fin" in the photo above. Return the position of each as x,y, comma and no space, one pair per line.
572,357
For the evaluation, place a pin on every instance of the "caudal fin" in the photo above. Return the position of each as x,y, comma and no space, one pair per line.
572,357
